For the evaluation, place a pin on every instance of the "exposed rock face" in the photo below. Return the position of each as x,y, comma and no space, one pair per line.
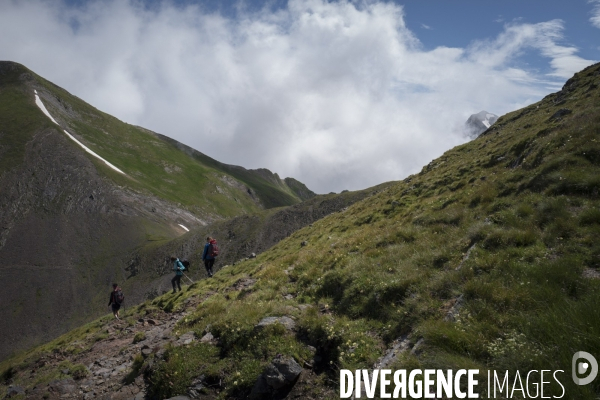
478,123
560,113
207,338
280,374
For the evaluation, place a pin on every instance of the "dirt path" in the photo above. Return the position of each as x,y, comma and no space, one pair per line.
109,362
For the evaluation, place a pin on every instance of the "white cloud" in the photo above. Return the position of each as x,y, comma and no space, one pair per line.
517,38
595,19
335,95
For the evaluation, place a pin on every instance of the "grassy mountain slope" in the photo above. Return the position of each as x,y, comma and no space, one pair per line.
69,221
265,185
486,259
238,238
151,161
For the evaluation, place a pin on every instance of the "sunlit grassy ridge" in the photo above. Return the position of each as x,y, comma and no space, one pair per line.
501,232
23,118
152,163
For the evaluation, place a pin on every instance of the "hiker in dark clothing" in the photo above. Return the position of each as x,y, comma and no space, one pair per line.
116,298
178,268
209,254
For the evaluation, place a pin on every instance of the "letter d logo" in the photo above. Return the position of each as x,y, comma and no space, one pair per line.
583,367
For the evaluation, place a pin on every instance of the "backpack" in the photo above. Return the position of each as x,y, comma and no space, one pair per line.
186,265
213,249
119,296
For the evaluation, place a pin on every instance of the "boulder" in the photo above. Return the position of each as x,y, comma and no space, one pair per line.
283,372
196,389
185,339
146,352
288,369
207,338
285,321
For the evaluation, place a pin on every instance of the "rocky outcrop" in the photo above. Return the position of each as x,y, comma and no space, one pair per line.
278,376
479,123
557,116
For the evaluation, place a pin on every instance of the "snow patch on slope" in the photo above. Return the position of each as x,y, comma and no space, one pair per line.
43,107
184,227
45,111
478,123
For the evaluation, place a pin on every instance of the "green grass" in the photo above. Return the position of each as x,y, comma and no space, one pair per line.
23,118
139,337
522,201
153,164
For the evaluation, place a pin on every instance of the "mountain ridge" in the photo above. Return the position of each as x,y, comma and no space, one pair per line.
486,259
480,122
63,210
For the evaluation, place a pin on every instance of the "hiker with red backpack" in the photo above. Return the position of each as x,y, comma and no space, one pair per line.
211,251
116,299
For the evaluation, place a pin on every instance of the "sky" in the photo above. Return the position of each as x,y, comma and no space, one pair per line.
337,94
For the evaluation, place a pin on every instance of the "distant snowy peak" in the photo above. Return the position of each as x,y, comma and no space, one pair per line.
478,123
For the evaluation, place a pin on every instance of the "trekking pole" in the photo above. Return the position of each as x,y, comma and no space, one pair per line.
187,277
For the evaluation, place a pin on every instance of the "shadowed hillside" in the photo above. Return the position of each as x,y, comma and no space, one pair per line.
69,222
238,239
487,259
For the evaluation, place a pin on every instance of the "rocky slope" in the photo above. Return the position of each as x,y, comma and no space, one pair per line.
69,222
109,362
479,123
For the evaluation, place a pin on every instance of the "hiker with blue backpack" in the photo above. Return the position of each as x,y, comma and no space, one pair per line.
178,267
211,251
116,299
